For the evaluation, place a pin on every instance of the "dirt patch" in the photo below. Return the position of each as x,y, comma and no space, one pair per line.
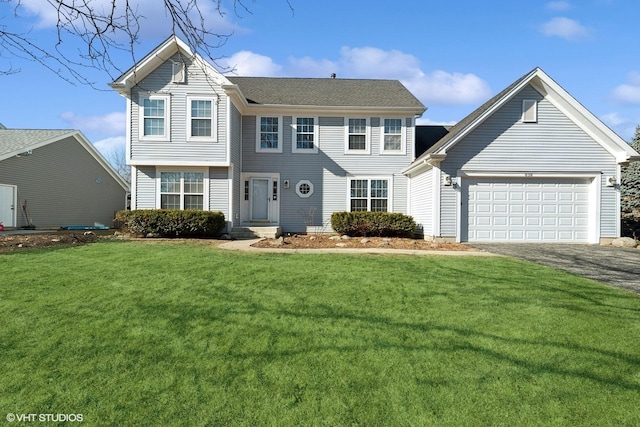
21,242
333,242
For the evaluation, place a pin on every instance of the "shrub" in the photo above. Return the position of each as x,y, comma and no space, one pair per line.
173,222
378,224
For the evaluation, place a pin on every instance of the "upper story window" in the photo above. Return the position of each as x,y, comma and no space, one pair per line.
357,132
154,117
202,123
392,137
529,111
269,135
369,194
305,135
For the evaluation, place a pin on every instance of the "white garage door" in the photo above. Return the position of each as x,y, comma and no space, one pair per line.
528,210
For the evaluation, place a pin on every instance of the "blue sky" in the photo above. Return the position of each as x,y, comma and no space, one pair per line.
453,55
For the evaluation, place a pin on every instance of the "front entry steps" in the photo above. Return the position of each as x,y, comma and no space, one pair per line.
240,233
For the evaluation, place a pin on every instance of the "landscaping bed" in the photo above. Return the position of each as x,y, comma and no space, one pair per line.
322,241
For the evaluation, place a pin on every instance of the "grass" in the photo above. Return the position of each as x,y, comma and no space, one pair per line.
135,333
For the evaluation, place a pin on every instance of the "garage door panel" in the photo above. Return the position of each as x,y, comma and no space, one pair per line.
528,209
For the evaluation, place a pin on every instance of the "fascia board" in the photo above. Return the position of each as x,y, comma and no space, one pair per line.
328,109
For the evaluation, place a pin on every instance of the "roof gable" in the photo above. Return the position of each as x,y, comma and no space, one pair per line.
157,57
552,91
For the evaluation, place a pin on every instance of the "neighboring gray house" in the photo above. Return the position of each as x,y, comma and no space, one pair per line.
58,178
283,154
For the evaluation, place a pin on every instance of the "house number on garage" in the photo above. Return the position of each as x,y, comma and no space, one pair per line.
528,174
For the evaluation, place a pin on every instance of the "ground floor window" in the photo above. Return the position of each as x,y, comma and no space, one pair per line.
182,190
369,194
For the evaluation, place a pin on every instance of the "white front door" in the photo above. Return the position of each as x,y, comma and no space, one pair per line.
8,205
260,199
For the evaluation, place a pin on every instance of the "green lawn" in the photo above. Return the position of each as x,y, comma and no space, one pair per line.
137,333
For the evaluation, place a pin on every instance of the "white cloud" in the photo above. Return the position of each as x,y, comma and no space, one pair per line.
565,28
628,93
424,121
622,124
436,87
110,147
111,124
154,20
246,63
558,5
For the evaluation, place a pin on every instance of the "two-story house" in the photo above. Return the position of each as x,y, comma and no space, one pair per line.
288,152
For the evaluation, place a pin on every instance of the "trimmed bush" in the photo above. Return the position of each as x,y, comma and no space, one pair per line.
173,222
375,224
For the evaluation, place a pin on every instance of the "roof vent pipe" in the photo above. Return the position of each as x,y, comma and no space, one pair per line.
333,75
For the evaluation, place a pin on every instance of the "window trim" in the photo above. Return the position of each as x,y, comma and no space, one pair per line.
367,136
166,136
214,116
294,134
182,171
259,149
529,111
388,178
300,184
403,137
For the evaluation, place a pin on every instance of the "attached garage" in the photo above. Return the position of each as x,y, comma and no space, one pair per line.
529,165
528,210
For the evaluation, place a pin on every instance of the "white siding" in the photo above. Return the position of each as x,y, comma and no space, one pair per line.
146,187
421,201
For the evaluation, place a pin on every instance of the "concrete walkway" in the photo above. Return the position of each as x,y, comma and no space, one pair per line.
245,245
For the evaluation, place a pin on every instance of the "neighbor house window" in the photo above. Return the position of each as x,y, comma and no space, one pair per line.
154,117
392,136
529,111
370,194
182,190
305,135
269,135
201,118
357,135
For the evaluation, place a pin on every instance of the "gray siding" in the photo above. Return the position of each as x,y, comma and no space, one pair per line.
219,190
327,170
146,187
553,144
178,148
63,184
235,133
421,201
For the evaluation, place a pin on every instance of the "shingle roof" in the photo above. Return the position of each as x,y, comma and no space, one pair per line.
16,140
326,92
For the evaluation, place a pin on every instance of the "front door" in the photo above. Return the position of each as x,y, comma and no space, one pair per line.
260,199
8,205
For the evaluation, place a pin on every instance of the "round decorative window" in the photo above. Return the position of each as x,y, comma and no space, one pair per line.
304,188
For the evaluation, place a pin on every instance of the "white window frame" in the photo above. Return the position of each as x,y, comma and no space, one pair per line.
300,184
369,178
367,136
213,118
529,111
403,136
294,135
259,149
182,171
167,114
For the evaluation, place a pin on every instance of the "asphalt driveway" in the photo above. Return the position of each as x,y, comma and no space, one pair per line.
619,267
